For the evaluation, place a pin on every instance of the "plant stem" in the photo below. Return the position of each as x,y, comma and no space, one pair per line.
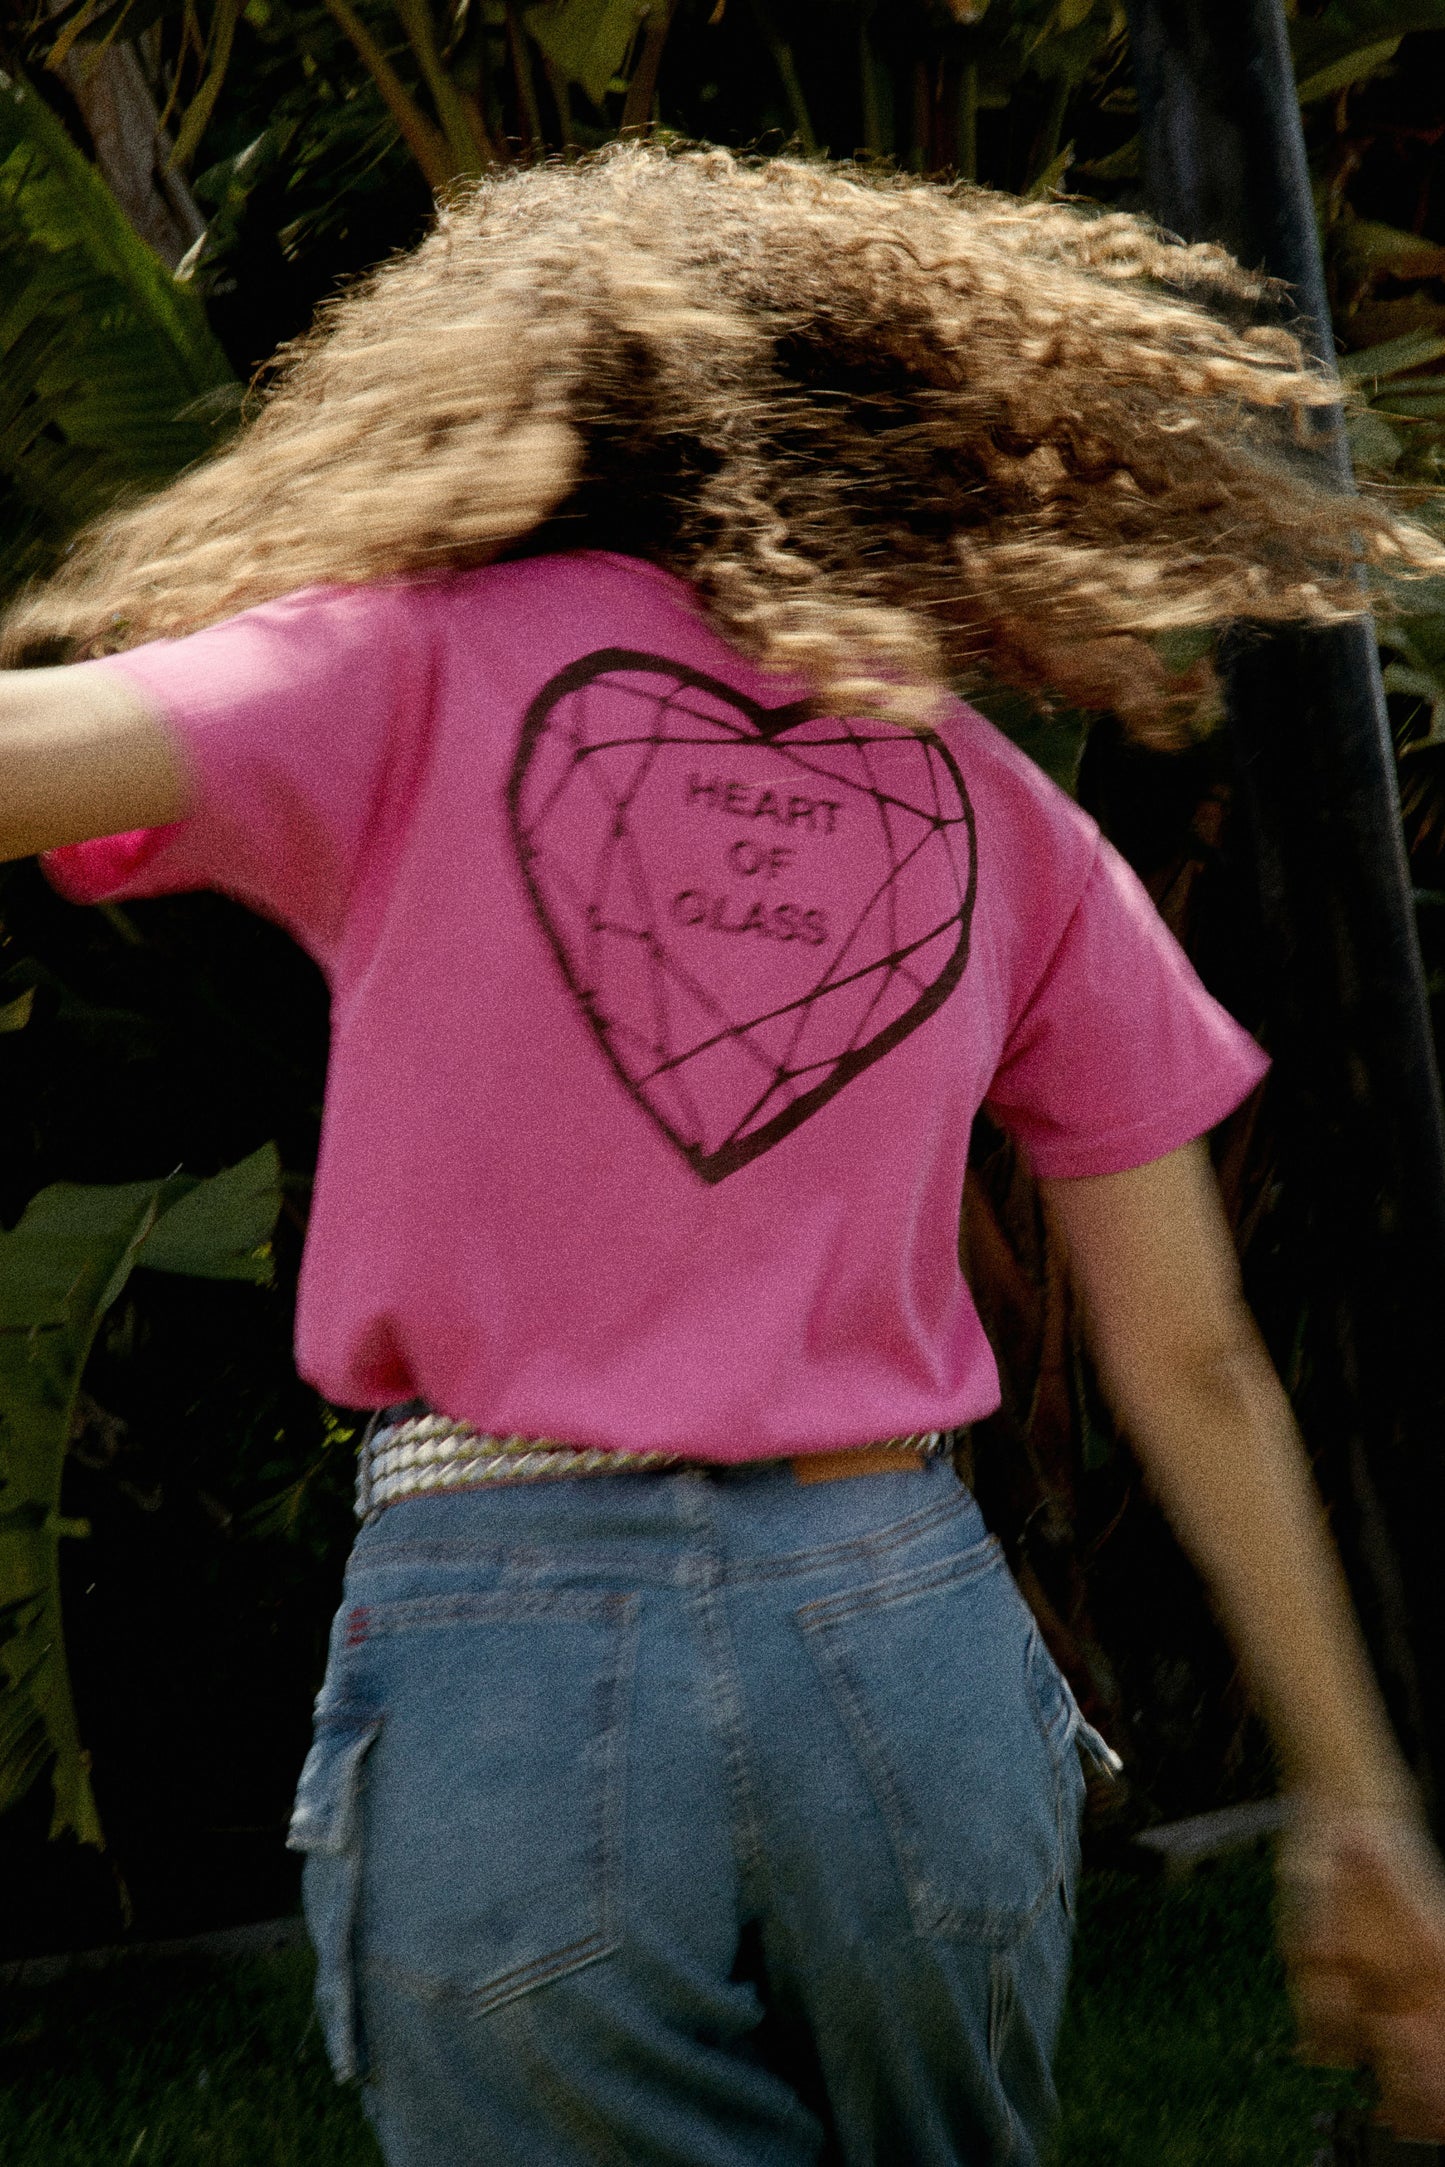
528,109
465,130
1046,147
788,75
873,133
482,135
922,118
968,122
218,55
641,91
561,97
426,143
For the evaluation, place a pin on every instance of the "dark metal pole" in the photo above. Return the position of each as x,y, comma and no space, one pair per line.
1357,1093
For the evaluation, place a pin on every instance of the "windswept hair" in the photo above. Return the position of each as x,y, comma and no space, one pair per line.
896,435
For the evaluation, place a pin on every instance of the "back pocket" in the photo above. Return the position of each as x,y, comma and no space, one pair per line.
943,1686
495,1789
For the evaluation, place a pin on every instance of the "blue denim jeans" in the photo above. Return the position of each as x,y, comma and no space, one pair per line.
698,1819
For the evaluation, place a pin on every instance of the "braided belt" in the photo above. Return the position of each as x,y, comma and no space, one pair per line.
422,1454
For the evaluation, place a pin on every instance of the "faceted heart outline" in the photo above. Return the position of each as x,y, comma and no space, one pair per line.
764,724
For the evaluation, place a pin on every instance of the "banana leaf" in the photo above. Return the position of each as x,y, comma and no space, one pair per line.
1374,363
587,41
1367,250
61,1268
1330,38
1349,69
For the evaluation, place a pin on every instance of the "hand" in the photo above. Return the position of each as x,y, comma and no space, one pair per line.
1364,1938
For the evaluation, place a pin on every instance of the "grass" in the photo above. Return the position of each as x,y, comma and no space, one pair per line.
1176,2052
174,2064
1178,2046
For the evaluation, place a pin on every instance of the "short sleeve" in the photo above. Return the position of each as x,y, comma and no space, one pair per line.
292,719
1120,1055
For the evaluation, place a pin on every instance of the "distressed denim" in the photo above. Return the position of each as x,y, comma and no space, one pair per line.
698,1819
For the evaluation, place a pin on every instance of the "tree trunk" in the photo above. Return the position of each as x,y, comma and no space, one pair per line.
1356,1094
131,148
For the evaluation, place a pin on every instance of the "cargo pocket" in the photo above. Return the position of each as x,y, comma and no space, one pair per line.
934,1675
326,1826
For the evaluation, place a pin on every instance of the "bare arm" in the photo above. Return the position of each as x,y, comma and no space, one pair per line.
81,755
1181,1361
1183,1367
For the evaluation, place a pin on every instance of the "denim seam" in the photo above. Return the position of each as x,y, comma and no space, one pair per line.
1058,1751
1002,1996
1056,1748
426,1613
442,1550
969,1565
855,1548
729,1720
595,1559
369,1551
614,1773
507,1986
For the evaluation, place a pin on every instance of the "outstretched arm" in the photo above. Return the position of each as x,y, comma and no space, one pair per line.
81,754
1182,1364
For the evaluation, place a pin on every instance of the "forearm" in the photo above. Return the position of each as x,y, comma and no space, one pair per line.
80,754
1219,1447
1194,1390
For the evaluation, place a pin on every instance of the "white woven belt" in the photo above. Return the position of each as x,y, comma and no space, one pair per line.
425,1453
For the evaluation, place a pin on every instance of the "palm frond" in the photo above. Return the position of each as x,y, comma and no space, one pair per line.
110,378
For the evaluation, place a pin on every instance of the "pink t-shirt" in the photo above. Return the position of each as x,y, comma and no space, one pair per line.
661,1009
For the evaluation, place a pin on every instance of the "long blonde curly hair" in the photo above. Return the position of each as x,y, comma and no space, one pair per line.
894,434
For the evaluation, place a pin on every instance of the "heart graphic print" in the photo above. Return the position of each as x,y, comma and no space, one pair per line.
751,905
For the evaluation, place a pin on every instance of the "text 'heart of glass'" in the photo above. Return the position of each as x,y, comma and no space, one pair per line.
751,905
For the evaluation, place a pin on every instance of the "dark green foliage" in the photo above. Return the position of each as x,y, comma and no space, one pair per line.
164,2065
110,377
61,1270
215,1488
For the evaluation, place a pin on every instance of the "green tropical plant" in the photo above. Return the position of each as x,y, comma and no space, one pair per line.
317,131
311,99
110,377
61,1269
